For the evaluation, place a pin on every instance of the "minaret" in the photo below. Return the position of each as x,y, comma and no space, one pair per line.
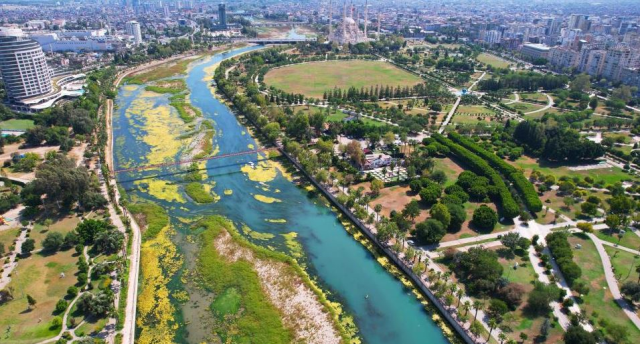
357,25
366,17
344,22
330,18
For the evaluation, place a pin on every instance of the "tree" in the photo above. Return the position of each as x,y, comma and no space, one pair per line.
492,324
484,218
458,216
585,227
109,242
98,305
581,83
61,306
31,301
378,208
512,294
593,103
617,333
430,231
376,186
613,221
589,208
53,242
28,246
523,337
441,213
430,193
411,210
88,229
541,296
578,335
497,308
477,305
510,241
479,269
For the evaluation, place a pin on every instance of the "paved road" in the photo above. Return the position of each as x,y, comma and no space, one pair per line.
612,282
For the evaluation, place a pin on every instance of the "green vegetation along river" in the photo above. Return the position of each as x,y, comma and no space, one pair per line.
260,200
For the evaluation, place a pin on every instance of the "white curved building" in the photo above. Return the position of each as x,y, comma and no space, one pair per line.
24,68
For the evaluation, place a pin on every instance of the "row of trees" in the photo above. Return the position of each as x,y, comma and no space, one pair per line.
561,251
509,206
379,92
521,183
523,81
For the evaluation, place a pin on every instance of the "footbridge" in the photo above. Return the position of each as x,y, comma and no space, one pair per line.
190,161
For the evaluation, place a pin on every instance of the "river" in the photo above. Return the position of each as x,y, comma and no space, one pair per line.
147,129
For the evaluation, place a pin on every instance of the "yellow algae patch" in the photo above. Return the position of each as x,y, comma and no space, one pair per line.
276,220
251,146
264,172
159,261
187,221
266,199
130,87
277,191
228,192
257,235
162,129
162,189
293,244
243,132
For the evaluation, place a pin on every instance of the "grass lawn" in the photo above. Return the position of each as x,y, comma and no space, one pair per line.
7,237
629,240
624,263
537,96
62,225
493,60
610,175
313,79
38,276
17,124
450,168
526,107
598,303
475,110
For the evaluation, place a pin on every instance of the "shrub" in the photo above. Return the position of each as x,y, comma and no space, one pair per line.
561,251
484,218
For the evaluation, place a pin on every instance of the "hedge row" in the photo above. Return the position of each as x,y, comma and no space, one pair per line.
561,251
510,208
520,182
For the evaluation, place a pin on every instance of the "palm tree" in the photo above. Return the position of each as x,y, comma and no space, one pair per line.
378,209
477,304
459,295
466,306
492,324
502,337
638,271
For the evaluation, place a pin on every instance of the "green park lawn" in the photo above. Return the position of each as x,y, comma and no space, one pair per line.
7,237
537,96
62,225
624,263
493,61
38,276
609,175
313,79
17,124
526,107
629,240
598,303
477,110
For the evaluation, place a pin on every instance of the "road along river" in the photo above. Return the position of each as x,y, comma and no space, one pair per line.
259,197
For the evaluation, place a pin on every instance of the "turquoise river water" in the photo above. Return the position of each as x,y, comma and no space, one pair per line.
383,309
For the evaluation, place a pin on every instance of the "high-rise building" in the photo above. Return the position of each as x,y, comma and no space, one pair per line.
133,29
222,16
24,68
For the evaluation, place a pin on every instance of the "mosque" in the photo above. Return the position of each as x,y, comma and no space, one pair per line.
348,30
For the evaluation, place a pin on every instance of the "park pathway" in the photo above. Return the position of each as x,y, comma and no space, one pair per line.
449,116
547,107
612,282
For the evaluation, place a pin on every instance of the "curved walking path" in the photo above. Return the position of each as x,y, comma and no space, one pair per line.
612,282
547,107
514,101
